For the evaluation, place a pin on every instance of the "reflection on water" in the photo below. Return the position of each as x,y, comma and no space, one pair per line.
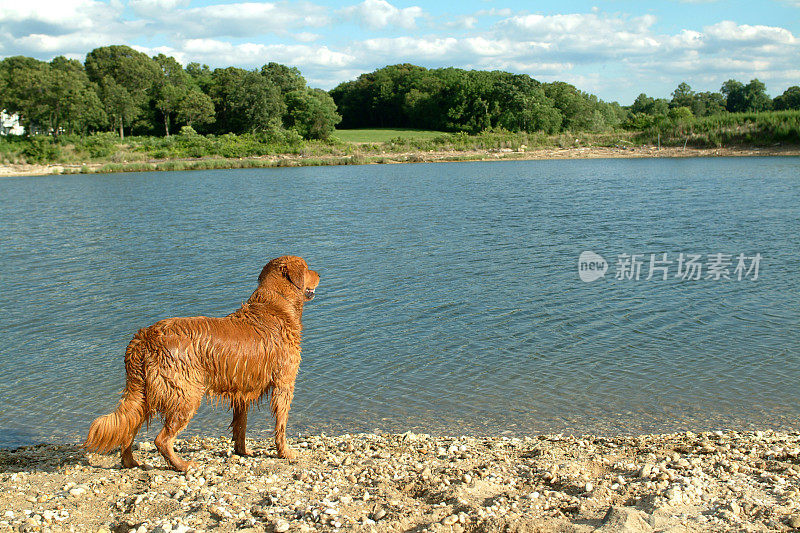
450,300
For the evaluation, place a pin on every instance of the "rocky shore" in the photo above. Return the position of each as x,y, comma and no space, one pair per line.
434,156
721,481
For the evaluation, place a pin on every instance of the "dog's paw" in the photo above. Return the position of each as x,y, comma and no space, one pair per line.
288,454
247,452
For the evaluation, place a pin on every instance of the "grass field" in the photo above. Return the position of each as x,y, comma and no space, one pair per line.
380,135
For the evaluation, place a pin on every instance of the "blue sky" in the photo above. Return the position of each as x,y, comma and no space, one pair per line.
615,49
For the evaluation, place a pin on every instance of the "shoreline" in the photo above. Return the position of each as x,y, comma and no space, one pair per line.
292,160
710,481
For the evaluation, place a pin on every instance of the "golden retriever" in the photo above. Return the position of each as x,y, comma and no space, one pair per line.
240,358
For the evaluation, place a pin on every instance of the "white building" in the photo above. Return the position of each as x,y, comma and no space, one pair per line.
9,124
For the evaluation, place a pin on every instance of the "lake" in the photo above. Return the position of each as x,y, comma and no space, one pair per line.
451,299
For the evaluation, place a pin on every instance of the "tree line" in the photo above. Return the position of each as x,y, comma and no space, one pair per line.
452,99
118,88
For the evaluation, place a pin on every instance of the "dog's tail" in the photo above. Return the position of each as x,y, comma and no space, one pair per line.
119,428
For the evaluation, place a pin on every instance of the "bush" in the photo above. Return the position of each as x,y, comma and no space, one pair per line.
41,149
98,144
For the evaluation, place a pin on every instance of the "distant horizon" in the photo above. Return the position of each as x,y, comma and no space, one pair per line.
615,50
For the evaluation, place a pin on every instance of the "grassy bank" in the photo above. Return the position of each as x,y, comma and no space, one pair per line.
731,129
105,152
380,135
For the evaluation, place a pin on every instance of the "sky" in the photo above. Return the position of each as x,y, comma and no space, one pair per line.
614,49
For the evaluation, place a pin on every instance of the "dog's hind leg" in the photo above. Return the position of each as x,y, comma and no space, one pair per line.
239,427
174,422
127,449
280,403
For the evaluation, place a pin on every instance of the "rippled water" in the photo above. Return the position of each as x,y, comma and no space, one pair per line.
450,300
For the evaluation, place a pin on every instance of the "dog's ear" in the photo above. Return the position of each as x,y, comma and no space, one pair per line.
295,272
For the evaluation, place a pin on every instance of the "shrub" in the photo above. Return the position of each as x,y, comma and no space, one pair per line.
98,145
41,149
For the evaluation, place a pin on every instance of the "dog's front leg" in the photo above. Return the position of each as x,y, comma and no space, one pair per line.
280,403
239,426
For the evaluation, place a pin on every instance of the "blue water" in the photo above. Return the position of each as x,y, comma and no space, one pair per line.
450,299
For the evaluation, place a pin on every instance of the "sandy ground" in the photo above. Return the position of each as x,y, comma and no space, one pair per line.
10,170
721,481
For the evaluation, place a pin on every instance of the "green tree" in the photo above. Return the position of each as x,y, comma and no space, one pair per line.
23,81
70,98
312,112
733,91
790,99
642,104
200,76
286,79
196,107
680,114
708,103
130,70
245,101
755,96
682,96
118,103
171,72
168,101
650,106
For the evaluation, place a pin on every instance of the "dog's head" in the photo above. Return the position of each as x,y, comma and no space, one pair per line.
293,273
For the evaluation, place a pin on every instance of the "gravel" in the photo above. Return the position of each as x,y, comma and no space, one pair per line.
716,481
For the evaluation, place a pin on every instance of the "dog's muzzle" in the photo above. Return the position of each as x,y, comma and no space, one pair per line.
309,293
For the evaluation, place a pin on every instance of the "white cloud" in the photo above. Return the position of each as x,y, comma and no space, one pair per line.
377,14
465,22
155,7
222,53
410,47
306,37
64,27
591,35
58,14
745,33
244,19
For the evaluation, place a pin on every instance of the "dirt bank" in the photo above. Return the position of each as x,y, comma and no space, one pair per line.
595,152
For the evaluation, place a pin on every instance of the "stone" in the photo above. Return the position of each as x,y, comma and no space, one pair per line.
624,520
281,526
450,520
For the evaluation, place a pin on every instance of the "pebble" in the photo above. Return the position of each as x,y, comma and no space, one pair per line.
721,482
450,520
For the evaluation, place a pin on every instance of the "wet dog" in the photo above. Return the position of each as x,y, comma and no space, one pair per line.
239,358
